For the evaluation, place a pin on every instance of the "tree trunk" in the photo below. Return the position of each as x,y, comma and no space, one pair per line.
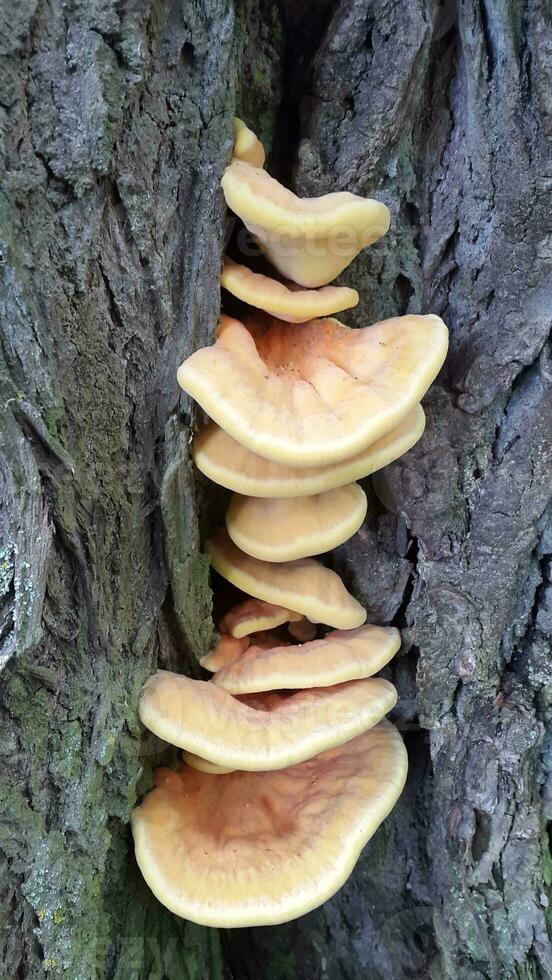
117,123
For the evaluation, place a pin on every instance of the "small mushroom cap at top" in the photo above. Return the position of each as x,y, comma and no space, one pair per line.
305,585
247,147
314,393
231,465
335,659
309,241
255,616
261,731
256,849
283,529
293,305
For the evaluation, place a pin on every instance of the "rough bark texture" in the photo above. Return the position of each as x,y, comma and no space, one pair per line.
116,125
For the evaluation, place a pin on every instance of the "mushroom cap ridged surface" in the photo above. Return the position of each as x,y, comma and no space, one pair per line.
314,393
304,585
261,731
255,616
254,849
247,146
286,528
231,465
312,240
339,657
292,304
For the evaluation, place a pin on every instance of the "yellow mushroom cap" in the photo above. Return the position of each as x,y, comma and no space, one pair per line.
305,585
292,305
226,650
285,528
256,849
231,465
310,241
261,731
255,616
314,393
247,147
203,765
335,659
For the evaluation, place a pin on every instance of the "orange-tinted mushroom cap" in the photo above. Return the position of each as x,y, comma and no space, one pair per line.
231,465
247,147
252,849
314,393
293,305
255,616
262,731
286,528
223,654
309,241
226,650
305,585
338,657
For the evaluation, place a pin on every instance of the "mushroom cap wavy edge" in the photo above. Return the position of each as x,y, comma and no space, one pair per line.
254,849
309,240
305,586
318,392
284,300
341,656
261,731
287,528
231,465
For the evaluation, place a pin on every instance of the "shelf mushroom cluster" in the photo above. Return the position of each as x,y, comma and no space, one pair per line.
289,765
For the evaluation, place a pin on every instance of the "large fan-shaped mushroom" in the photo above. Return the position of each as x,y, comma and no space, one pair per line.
314,393
261,848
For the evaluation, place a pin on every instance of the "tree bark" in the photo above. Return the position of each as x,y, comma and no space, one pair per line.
117,123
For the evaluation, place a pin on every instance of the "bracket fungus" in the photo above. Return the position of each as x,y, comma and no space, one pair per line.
339,657
251,849
305,585
247,146
223,653
283,300
287,528
231,465
255,616
288,767
309,241
265,731
316,392
226,650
